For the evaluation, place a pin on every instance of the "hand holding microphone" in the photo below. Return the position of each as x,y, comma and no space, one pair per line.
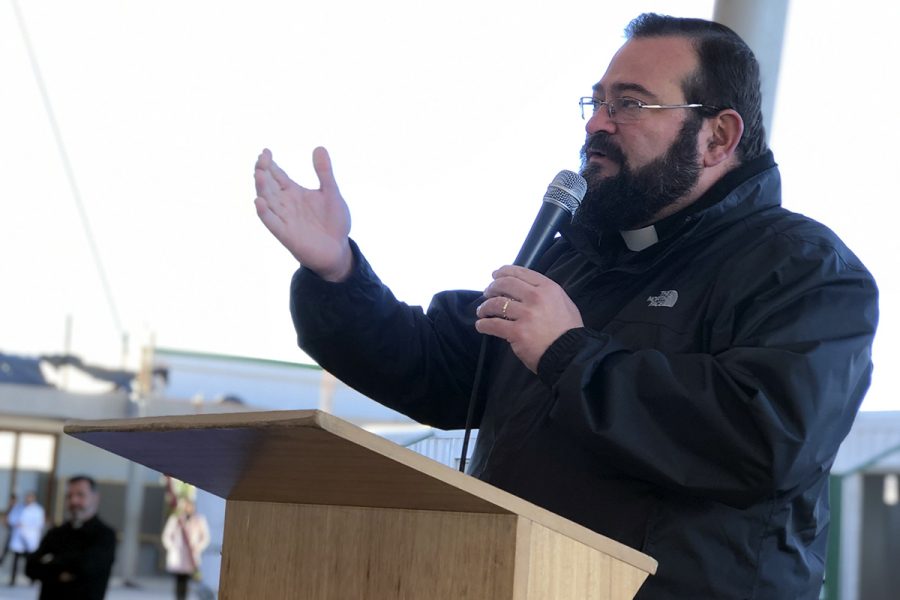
525,308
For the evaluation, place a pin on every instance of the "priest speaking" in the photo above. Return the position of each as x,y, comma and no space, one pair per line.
675,372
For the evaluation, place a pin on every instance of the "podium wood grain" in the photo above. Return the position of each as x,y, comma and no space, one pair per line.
319,508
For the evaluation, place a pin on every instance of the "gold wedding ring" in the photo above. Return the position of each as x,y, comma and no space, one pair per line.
503,310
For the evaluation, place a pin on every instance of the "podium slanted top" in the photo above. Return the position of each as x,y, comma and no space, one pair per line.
311,457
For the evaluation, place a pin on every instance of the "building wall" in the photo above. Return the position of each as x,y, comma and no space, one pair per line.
879,576
871,447
267,385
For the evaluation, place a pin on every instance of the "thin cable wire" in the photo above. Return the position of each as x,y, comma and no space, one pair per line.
70,173
473,402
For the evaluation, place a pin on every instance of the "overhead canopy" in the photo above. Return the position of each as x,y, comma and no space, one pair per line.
21,369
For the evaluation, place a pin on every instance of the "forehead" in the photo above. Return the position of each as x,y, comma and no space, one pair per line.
653,67
79,487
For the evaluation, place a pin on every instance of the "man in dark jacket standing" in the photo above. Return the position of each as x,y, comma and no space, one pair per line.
75,559
678,371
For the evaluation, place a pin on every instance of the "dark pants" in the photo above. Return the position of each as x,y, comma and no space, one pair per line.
6,546
181,586
15,566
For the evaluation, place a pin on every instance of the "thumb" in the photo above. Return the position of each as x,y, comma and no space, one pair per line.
322,166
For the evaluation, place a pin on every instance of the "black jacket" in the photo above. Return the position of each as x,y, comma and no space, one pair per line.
84,553
696,415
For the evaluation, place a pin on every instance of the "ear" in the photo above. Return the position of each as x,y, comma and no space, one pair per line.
723,132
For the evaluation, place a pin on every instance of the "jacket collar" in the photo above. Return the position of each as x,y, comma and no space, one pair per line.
723,193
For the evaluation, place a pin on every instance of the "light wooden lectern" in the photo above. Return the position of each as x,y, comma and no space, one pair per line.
319,508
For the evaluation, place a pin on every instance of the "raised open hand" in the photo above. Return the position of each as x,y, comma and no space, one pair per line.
313,225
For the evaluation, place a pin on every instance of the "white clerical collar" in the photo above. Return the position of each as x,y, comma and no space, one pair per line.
640,239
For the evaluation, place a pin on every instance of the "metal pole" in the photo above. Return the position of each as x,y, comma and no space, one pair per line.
761,24
134,486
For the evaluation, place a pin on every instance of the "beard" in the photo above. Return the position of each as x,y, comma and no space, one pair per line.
632,197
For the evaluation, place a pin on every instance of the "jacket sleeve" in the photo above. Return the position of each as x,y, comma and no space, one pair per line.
40,565
169,533
55,556
763,412
99,560
419,364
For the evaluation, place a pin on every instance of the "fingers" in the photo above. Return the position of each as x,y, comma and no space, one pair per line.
271,179
505,295
501,307
264,159
322,165
528,310
266,184
511,287
526,275
500,328
267,188
280,177
270,219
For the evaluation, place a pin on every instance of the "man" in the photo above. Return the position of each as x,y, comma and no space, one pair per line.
26,526
74,560
13,508
681,367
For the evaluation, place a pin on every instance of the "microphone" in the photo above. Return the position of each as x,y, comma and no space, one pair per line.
561,200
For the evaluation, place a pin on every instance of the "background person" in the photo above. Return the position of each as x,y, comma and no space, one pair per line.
26,526
74,560
185,537
13,507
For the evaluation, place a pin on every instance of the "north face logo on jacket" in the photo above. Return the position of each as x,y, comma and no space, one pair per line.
666,298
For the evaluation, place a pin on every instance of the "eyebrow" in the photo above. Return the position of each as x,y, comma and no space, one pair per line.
620,88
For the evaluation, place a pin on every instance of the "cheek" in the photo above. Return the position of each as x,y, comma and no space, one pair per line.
638,153
642,148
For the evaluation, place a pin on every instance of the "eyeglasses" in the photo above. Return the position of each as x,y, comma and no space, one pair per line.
627,110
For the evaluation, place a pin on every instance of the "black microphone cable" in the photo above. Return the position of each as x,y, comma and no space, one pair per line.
561,200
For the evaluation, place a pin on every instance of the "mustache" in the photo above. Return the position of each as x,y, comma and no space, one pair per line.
601,143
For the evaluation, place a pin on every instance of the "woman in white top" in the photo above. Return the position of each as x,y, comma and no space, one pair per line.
185,537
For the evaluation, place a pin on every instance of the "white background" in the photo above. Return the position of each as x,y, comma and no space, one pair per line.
445,123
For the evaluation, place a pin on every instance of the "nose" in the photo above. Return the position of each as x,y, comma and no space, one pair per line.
600,121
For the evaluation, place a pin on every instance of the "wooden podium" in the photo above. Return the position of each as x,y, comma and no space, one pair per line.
319,508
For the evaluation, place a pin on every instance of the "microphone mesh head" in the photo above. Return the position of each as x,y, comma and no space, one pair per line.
566,190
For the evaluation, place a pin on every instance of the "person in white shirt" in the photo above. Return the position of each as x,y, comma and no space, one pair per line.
26,528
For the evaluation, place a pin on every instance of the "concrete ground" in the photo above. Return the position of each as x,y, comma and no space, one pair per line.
146,588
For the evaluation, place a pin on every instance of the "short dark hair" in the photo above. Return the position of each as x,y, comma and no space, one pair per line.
88,478
728,75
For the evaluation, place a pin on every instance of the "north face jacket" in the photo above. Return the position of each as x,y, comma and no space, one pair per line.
694,417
